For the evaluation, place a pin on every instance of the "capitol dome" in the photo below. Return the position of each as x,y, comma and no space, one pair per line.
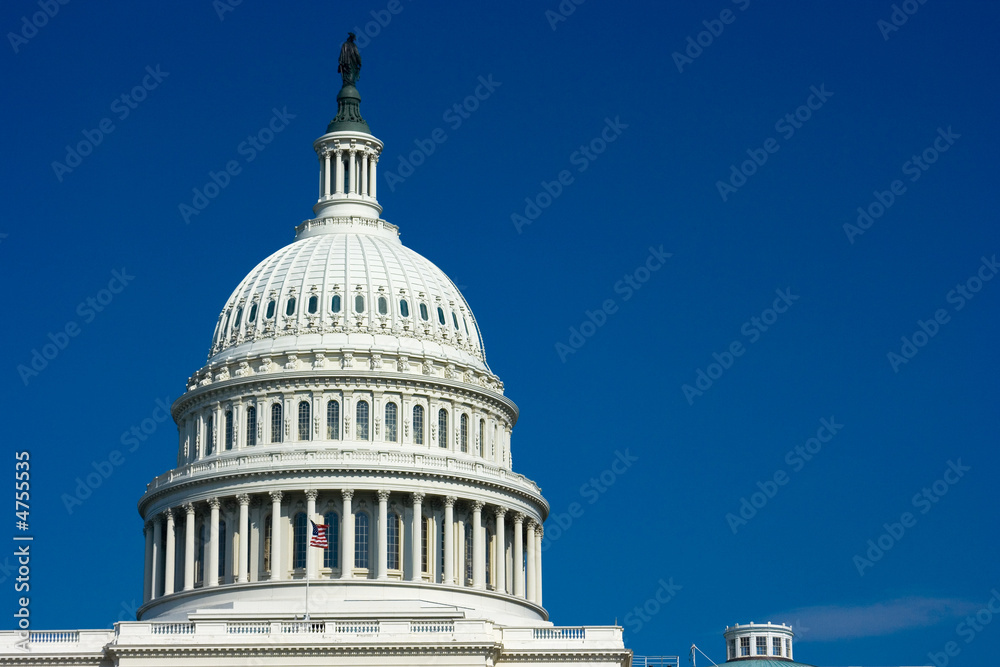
345,436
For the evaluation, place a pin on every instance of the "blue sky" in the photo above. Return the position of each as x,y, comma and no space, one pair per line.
742,157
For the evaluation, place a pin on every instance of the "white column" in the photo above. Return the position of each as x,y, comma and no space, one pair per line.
363,159
147,586
519,555
310,511
170,554
352,172
500,554
212,572
460,552
381,546
339,172
276,525
326,172
531,562
538,564
157,577
415,532
449,539
189,547
243,561
371,175
347,537
478,550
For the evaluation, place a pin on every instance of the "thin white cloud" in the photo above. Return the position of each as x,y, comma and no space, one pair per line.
833,622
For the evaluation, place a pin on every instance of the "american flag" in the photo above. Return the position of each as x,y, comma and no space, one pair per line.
319,535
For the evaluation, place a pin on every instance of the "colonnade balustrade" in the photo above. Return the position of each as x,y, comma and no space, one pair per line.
373,534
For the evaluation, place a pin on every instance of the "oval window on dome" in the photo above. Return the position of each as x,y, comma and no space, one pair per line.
253,312
440,315
290,307
359,304
335,304
454,319
239,318
383,306
225,328
270,310
465,323
404,308
313,304
423,312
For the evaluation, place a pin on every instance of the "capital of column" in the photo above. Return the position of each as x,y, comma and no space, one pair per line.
478,505
168,514
449,501
383,495
243,498
312,494
214,503
418,497
347,494
147,527
519,518
276,496
539,531
500,511
189,509
533,525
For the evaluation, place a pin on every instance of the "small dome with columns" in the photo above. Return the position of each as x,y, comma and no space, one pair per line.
760,645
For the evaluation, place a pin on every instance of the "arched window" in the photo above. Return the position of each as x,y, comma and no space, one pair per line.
331,555
276,422
335,304
442,428
253,313
463,433
362,421
199,576
251,426
383,306
270,310
267,543
468,553
313,304
359,304
299,540
454,318
418,424
222,551
440,315
482,436
210,435
423,312
361,540
290,307
332,420
239,317
404,308
390,422
229,429
305,428
392,541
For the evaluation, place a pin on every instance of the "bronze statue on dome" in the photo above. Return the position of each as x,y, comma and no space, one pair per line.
349,65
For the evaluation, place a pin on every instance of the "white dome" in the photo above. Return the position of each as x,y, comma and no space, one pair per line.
348,283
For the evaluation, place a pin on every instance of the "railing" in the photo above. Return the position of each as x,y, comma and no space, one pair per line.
308,627
248,628
172,628
54,637
432,626
655,661
560,633
356,627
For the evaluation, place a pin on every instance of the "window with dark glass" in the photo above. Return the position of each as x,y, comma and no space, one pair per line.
392,541
253,312
362,420
468,553
239,318
251,426
299,540
335,304
304,425
440,315
361,540
418,424
331,554
463,433
454,318
313,304
442,427
276,422
404,308
210,435
229,429
423,312
267,543
390,422
333,420
270,310
383,306
359,304
761,645
222,551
